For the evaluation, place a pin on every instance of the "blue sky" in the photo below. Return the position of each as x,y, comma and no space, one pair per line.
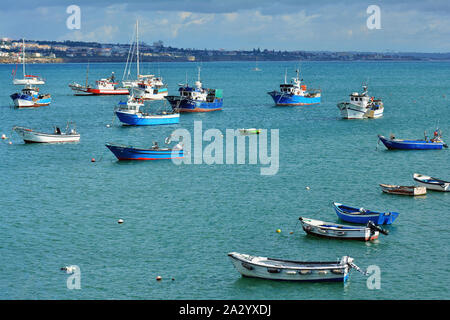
421,26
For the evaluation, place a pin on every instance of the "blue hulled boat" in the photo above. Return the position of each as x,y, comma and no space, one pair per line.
295,94
363,216
123,152
30,97
427,144
129,113
196,99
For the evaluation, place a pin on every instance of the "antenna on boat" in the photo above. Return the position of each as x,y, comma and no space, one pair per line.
285,75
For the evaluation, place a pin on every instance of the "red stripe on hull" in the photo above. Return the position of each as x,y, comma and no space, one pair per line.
111,92
198,110
296,104
150,158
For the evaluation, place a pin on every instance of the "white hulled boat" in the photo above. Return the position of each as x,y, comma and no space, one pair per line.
361,106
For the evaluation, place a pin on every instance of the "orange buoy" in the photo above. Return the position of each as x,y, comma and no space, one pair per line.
158,278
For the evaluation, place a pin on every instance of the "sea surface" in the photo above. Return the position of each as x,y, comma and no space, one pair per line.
59,209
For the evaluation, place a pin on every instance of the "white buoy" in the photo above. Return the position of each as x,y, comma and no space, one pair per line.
120,221
3,136
307,188
108,125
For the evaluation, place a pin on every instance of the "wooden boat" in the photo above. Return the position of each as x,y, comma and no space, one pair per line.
427,144
278,269
403,190
432,183
31,136
363,216
339,231
123,152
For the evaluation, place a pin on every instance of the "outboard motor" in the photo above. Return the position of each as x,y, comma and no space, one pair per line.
374,227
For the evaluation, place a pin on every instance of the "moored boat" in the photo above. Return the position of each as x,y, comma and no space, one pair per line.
339,231
30,97
32,136
363,216
435,143
403,190
123,152
432,183
196,99
361,106
246,132
295,93
27,79
278,269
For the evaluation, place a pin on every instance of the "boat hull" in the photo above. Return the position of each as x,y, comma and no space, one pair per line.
432,183
353,111
189,105
354,215
403,190
272,269
30,136
130,153
281,99
97,92
140,119
334,231
26,101
396,144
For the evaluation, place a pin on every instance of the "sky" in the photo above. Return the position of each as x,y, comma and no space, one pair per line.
314,25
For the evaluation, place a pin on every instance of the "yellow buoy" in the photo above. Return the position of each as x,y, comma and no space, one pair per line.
278,230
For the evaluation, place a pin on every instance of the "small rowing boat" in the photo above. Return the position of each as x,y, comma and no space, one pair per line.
363,216
247,132
403,190
32,136
278,269
432,183
339,231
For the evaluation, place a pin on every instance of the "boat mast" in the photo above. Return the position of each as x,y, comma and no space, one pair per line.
137,46
23,57
285,76
87,72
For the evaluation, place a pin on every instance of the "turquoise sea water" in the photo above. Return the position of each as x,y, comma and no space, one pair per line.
58,208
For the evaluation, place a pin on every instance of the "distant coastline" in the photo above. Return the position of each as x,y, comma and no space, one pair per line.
39,51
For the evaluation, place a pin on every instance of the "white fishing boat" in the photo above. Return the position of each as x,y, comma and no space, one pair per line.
361,106
278,269
27,78
432,183
339,231
32,136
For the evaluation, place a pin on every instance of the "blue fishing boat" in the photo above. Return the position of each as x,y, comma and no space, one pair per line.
30,97
363,216
295,93
130,113
123,152
196,99
435,143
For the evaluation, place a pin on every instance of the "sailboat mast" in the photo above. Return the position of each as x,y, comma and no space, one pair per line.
23,57
87,72
137,46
